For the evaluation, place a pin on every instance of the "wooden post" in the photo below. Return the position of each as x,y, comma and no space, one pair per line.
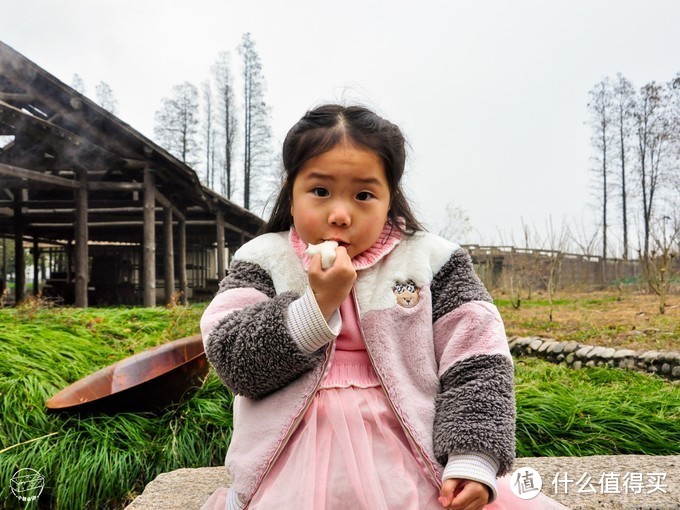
36,268
182,258
169,255
220,246
149,243
81,237
69,258
19,262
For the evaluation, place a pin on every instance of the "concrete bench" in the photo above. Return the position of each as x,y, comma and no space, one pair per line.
635,482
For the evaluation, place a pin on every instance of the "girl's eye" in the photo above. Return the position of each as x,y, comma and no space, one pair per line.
364,195
320,192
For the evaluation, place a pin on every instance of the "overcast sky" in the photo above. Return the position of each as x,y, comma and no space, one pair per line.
491,94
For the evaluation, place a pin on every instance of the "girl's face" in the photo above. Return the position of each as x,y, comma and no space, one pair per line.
341,195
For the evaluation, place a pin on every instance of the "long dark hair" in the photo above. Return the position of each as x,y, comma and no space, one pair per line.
324,127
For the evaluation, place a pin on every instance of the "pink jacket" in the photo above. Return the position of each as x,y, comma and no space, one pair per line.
434,337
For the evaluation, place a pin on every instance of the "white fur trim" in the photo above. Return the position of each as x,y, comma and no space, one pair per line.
273,253
416,258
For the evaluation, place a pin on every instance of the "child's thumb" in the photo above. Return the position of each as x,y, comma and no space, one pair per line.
447,492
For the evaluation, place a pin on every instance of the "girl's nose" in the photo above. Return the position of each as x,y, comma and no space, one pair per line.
339,216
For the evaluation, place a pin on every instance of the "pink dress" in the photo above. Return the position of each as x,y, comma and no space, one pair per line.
350,451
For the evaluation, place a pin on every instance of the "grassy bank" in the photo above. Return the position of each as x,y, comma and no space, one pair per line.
103,461
598,411
631,320
97,461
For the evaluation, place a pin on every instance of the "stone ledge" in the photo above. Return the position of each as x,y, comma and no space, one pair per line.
182,489
576,355
187,489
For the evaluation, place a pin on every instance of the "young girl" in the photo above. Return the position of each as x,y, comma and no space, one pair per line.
381,382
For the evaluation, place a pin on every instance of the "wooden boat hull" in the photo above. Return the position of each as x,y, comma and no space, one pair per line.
149,381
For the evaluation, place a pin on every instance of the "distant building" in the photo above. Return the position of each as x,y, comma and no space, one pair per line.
108,215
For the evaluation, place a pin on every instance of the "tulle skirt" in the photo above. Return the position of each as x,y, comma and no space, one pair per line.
350,451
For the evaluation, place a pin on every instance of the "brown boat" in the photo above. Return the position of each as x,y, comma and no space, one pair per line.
148,381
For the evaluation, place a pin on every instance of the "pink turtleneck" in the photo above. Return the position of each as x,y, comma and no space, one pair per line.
350,365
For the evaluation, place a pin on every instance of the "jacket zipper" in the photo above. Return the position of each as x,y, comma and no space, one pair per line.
296,421
406,430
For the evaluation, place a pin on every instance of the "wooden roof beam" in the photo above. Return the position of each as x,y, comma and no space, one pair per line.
53,134
29,175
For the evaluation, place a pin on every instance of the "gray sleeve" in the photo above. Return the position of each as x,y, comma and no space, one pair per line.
456,283
246,274
475,411
251,349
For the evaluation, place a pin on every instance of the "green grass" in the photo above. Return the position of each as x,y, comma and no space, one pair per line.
101,461
543,302
598,411
97,461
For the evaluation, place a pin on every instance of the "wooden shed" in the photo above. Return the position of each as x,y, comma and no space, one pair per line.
109,216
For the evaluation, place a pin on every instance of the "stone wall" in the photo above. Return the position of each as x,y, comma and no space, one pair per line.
576,355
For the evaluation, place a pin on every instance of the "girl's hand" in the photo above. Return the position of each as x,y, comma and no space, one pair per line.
461,494
331,286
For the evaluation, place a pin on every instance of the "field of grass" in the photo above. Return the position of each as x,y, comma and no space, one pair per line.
599,411
597,318
97,461
101,461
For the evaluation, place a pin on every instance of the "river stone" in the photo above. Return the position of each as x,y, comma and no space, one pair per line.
669,356
559,347
649,355
571,346
597,351
535,344
546,345
608,352
624,353
583,351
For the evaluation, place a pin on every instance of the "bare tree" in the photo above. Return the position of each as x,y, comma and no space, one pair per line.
105,97
624,108
674,114
600,108
457,226
651,127
585,240
78,84
519,269
556,243
227,119
257,153
208,135
659,266
177,123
